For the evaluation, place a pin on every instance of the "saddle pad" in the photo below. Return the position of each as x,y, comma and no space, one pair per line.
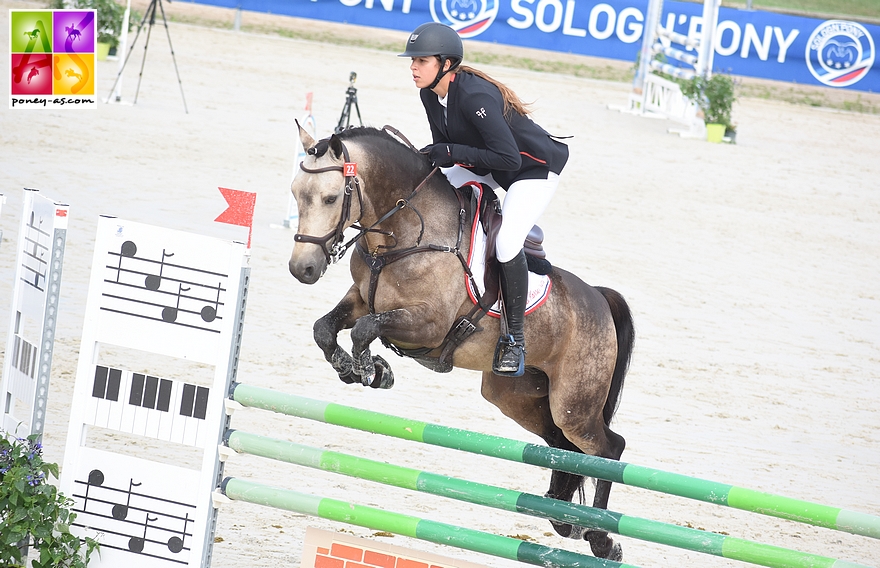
539,285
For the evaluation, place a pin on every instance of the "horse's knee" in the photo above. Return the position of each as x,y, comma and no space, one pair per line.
366,329
325,335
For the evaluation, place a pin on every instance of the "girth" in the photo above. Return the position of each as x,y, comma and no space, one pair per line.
463,326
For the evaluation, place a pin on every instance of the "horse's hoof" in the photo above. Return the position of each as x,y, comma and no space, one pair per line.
567,530
363,366
603,546
384,378
349,378
616,553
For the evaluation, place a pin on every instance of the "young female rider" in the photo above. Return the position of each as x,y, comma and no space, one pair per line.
481,131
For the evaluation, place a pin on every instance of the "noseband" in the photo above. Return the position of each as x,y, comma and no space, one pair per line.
332,243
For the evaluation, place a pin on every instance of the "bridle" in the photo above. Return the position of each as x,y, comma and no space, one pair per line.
332,243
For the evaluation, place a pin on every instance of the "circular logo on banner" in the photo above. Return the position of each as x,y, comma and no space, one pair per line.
840,53
468,17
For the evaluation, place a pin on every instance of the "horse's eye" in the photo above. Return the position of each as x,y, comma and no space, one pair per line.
330,200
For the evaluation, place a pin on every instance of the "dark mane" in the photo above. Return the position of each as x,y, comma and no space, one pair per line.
384,143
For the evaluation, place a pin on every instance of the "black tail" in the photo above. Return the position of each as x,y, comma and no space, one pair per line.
625,339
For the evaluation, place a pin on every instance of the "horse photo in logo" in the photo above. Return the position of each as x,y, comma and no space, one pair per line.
468,17
839,53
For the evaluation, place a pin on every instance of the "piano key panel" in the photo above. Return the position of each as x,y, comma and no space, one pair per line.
144,405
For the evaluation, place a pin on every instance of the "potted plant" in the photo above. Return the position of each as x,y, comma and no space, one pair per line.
715,97
33,513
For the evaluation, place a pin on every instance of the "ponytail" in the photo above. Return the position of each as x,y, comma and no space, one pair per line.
511,100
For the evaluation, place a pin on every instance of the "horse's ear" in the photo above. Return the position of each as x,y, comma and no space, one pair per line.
304,137
336,146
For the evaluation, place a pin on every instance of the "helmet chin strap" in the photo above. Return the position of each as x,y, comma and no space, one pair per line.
442,73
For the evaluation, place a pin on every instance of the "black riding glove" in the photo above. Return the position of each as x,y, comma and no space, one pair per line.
442,155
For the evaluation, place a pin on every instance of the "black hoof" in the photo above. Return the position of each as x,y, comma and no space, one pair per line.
384,377
603,546
349,378
566,530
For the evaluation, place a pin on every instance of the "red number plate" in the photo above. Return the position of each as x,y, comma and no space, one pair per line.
350,169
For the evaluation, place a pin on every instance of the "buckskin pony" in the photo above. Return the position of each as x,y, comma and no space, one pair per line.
409,273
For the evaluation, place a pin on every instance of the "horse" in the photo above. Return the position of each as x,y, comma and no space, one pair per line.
408,290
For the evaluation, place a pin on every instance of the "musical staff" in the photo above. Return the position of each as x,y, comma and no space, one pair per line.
133,520
163,291
36,246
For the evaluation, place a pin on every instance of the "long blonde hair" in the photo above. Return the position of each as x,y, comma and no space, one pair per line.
511,99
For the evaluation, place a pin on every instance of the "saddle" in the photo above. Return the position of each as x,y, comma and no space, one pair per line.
490,219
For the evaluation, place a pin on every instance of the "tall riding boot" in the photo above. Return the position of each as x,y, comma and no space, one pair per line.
510,352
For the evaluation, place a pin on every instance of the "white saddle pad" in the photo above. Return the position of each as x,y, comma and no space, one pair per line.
539,285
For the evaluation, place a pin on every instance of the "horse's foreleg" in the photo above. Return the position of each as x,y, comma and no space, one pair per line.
326,330
374,371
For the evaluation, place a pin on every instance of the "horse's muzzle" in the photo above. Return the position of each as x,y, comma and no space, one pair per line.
307,272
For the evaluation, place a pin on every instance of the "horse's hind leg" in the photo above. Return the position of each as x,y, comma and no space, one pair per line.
592,436
525,400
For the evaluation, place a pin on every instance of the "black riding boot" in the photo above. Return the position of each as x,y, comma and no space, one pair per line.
510,352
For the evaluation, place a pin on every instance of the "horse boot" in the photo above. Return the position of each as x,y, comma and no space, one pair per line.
510,353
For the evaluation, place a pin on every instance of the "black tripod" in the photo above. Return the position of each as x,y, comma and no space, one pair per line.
351,97
151,14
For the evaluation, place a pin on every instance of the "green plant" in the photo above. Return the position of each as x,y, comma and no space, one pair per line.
32,511
715,97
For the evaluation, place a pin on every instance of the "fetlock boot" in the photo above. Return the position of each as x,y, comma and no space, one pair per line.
510,353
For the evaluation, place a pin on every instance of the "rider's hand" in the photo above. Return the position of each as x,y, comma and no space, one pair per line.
439,154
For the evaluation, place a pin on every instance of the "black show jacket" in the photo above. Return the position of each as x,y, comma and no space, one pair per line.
511,148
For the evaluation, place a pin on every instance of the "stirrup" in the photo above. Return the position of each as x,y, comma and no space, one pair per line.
507,345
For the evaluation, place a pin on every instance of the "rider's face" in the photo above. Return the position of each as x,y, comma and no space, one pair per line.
424,70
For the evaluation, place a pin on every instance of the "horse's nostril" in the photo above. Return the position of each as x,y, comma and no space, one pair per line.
309,271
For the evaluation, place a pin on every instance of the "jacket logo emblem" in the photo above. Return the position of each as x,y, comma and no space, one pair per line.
481,113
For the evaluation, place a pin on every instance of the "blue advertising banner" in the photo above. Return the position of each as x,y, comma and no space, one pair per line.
833,53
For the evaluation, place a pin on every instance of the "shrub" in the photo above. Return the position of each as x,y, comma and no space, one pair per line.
32,511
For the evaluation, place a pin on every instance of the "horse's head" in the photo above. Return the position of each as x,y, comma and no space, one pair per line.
324,200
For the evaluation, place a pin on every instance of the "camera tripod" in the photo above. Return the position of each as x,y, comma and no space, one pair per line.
350,98
150,14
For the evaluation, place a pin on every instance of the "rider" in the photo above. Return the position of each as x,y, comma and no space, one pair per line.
482,132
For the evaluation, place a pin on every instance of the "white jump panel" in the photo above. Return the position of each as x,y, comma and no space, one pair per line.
28,363
181,296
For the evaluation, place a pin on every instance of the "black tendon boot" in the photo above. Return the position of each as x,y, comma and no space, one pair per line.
510,353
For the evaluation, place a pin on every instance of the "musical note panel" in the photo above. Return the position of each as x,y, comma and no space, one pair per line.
36,287
124,504
179,295
160,293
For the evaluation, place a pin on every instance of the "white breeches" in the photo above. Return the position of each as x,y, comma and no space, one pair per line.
524,202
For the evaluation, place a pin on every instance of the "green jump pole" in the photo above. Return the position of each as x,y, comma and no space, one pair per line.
405,525
508,500
562,460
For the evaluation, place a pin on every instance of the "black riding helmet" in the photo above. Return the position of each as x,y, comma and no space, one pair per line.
435,39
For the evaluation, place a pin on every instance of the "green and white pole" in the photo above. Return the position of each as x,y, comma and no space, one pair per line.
529,504
406,525
562,460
